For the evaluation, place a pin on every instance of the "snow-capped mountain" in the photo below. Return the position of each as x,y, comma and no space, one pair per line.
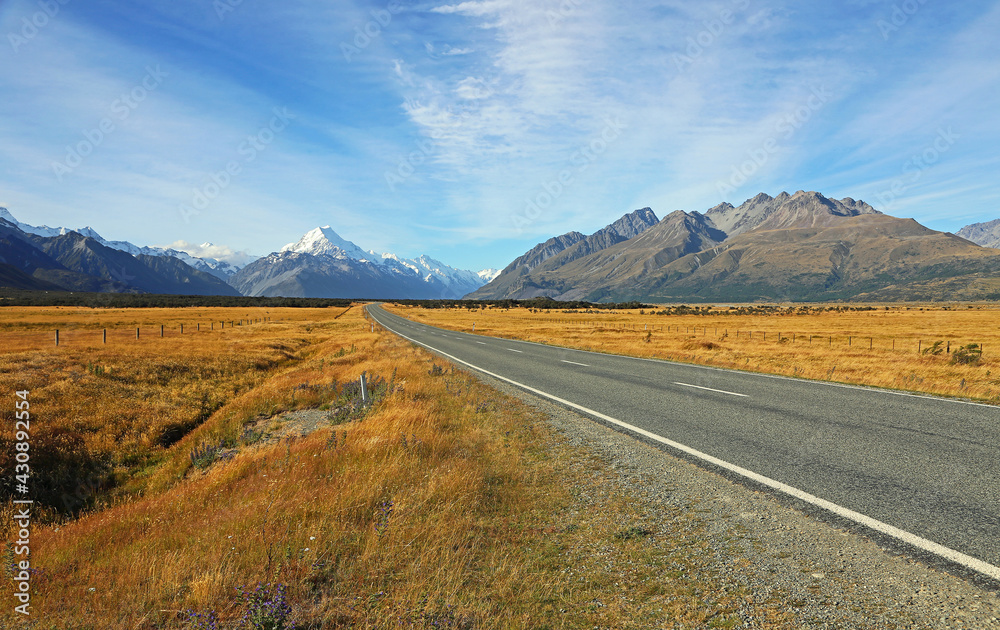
324,241
320,264
219,268
446,281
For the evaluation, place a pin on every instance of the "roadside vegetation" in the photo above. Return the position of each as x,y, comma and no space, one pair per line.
240,479
950,350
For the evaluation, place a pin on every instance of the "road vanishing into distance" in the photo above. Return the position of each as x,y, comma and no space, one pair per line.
923,471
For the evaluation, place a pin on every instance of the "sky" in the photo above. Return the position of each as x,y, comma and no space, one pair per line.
471,130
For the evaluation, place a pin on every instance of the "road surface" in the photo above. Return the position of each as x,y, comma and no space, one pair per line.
921,470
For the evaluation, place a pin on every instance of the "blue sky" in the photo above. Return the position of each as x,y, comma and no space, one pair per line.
469,131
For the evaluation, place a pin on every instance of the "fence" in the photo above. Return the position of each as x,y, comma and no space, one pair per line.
101,335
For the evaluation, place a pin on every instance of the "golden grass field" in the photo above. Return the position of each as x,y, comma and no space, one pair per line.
445,505
880,347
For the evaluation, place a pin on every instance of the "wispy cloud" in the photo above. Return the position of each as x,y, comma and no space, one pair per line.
477,107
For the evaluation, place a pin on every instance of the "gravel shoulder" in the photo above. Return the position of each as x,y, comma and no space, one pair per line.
823,574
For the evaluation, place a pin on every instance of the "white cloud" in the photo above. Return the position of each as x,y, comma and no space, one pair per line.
218,252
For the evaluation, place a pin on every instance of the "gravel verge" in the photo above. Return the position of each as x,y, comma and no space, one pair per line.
824,574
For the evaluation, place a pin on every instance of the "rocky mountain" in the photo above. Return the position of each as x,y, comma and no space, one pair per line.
804,209
219,268
785,248
323,264
559,251
984,234
76,262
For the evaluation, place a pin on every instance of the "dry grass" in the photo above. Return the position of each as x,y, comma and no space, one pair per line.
107,413
448,505
875,345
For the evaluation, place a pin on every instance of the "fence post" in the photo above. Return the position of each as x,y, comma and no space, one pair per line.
871,342
136,332
161,330
105,335
57,336
919,344
182,329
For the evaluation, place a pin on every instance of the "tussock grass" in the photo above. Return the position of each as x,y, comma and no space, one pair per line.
866,345
107,414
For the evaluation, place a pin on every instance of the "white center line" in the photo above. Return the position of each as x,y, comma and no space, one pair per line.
517,351
481,343
575,363
712,390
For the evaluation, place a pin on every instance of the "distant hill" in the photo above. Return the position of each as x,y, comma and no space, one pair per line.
985,234
801,247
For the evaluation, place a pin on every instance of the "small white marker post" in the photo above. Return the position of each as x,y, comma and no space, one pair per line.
364,389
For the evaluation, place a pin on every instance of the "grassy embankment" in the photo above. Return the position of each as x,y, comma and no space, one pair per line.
882,347
443,505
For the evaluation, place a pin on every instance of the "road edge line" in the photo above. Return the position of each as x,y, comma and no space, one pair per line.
913,540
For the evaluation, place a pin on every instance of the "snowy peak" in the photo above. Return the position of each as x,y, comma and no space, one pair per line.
7,216
487,275
323,241
454,283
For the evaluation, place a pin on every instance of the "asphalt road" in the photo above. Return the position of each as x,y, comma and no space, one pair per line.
919,469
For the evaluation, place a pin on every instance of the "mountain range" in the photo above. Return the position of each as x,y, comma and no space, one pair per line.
801,247
792,247
320,264
71,261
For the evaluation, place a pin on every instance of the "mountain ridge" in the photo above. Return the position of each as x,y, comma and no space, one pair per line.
792,247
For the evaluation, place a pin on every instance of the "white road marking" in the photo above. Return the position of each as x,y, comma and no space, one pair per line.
720,391
482,343
517,351
575,363
930,546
